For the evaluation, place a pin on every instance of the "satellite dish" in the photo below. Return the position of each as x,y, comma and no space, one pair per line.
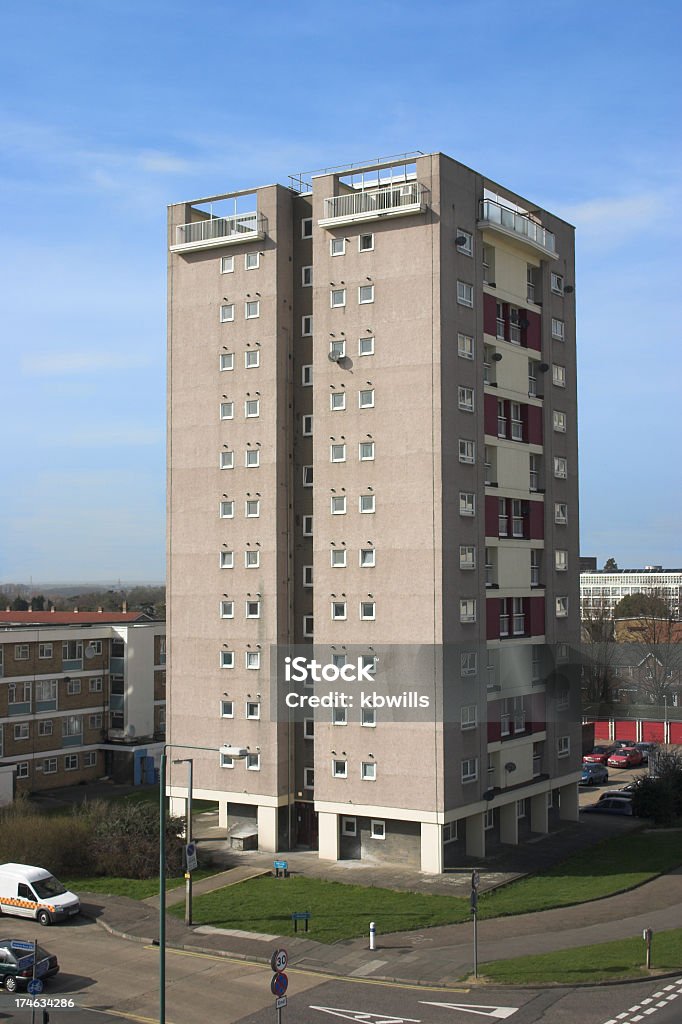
89,651
334,357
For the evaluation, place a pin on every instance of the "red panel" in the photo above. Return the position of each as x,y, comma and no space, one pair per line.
533,331
625,730
536,520
491,516
536,712
490,314
652,732
601,731
536,617
490,414
534,435
676,733
494,728
492,618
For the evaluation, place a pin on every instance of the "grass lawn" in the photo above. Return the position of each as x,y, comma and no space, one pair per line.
608,960
134,888
343,911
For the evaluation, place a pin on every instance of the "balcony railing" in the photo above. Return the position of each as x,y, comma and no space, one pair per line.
203,234
489,575
504,625
517,430
501,426
502,526
532,387
520,224
515,334
500,328
519,625
517,526
394,200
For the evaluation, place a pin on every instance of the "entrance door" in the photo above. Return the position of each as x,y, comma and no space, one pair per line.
306,825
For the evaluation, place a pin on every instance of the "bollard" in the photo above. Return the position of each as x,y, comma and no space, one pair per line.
372,935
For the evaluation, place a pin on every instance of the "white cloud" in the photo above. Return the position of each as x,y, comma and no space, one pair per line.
44,364
629,211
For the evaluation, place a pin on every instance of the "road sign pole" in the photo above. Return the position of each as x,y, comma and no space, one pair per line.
35,958
475,882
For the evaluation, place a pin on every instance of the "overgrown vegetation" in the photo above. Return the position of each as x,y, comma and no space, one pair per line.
659,796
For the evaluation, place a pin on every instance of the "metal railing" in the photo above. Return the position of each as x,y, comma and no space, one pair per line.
502,526
378,201
532,386
515,334
501,426
219,227
500,328
517,430
517,526
519,223
519,625
504,625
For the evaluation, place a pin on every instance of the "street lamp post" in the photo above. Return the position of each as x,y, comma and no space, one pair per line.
189,761
238,753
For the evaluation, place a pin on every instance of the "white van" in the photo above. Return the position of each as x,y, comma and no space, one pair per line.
27,891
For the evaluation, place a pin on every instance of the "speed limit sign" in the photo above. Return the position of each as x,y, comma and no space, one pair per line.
279,960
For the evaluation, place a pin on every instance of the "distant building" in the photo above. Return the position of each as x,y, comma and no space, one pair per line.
82,695
601,591
588,563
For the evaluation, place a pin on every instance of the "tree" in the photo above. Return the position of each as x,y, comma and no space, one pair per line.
610,565
19,605
659,796
636,606
599,654
654,646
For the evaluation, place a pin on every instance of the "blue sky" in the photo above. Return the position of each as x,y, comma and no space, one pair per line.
111,109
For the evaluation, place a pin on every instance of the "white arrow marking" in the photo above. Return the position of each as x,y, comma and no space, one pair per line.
499,1012
365,1018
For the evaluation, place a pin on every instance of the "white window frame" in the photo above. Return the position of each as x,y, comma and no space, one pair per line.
227,709
308,625
309,778
227,410
252,508
252,661
339,611
465,398
23,770
226,761
226,559
226,361
307,425
465,294
251,358
227,313
337,401
369,447
307,325
366,343
307,227
308,728
467,556
467,248
559,421
307,526
252,309
467,452
366,248
377,829
337,349
349,826
560,467
560,513
253,762
307,476
21,732
227,460
368,611
227,659
251,559
466,346
227,264
340,716
467,609
366,398
337,452
49,765
226,510
469,770
368,500
73,687
90,759
467,503
95,685
558,375
252,608
45,651
252,458
558,329
365,294
367,775
468,716
561,606
556,283
248,260
306,277
338,558
563,746
468,663
337,298
252,408
338,504
368,718
339,768
307,375
370,560
252,710
561,560
337,246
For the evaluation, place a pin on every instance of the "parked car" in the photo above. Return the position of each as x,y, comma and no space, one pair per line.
624,743
626,757
28,891
611,805
647,749
599,755
16,964
594,775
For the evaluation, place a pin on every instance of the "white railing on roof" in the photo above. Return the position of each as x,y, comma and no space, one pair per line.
395,197
519,223
219,227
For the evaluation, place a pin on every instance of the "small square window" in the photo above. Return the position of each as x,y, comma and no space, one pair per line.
561,607
227,659
468,716
369,718
367,558
306,376
337,350
339,610
307,526
306,277
337,401
252,508
227,709
467,451
366,451
306,326
377,829
339,558
465,399
337,246
367,503
465,242
337,297
465,293
307,476
560,467
308,625
252,609
368,610
227,313
366,399
90,759
252,309
253,762
366,347
307,227
558,329
251,559
339,716
560,513
252,459
467,609
227,360
556,283
563,746
467,503
559,421
226,410
307,575
251,261
337,452
227,609
21,652
338,505
308,778
561,560
226,264
465,346
365,243
340,769
468,663
349,826
226,761
253,709
365,293
467,556
251,358
469,769
308,728
95,685
368,771
252,408
22,770
227,559
71,762
21,731
227,510
558,375
369,663
45,651
307,425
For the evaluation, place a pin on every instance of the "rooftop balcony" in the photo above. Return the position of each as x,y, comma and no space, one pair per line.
211,232
355,207
517,225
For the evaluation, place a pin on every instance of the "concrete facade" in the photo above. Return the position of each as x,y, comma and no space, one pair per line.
373,443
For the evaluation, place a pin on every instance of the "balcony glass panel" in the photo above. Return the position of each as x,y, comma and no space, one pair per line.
519,224
72,664
393,199
214,229
116,665
24,708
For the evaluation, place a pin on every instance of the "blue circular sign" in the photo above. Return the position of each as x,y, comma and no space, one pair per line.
279,984
34,987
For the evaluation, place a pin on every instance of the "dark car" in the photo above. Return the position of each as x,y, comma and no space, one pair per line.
599,755
625,757
16,964
647,750
624,794
611,805
594,775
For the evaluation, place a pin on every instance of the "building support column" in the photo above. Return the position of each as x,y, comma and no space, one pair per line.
431,848
177,806
267,829
222,814
475,835
328,835
539,813
568,802
509,824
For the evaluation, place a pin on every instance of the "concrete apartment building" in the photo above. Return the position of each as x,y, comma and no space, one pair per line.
601,591
373,447
82,695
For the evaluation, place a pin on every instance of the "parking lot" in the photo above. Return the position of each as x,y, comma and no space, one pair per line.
618,777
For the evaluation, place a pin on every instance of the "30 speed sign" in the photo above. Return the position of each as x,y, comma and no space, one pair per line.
279,960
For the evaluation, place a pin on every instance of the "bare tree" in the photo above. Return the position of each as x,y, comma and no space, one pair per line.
654,639
599,653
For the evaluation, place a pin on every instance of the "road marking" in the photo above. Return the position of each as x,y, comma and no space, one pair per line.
208,929
371,965
121,1013
499,1012
365,1018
